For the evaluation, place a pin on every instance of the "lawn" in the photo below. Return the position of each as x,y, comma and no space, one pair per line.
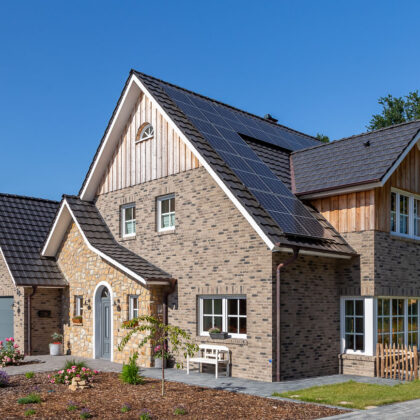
356,395
109,398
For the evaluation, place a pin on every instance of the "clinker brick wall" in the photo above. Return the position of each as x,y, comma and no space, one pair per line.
213,250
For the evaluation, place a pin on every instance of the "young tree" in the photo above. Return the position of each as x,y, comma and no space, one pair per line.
396,110
160,335
322,137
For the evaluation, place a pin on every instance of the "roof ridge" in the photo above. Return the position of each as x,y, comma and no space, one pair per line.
366,133
226,105
27,197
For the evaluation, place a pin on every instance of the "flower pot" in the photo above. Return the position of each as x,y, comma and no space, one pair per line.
55,349
219,336
77,321
158,363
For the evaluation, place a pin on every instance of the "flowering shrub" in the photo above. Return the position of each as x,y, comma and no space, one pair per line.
65,376
4,379
161,350
9,352
145,414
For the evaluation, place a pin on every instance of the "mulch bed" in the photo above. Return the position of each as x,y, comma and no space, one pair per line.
108,395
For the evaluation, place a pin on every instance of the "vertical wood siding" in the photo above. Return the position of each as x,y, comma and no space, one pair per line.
134,163
353,212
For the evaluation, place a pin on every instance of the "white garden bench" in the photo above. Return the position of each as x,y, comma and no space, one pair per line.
213,355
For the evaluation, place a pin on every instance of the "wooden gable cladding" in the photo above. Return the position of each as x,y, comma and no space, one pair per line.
352,212
407,178
137,162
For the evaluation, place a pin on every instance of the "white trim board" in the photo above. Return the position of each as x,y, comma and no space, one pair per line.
55,237
7,266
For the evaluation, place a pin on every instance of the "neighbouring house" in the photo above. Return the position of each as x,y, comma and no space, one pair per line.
306,254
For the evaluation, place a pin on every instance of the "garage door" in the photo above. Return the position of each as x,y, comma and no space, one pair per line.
6,317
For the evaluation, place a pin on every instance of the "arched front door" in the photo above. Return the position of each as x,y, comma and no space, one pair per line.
103,323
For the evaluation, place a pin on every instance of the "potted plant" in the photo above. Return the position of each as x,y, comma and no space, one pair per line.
216,334
160,355
55,346
130,324
77,319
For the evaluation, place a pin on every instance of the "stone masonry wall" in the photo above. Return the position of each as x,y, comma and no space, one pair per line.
7,288
213,250
83,270
310,316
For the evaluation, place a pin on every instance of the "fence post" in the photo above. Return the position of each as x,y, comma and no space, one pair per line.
416,362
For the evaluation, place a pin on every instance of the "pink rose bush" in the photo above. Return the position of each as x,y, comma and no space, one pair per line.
9,352
65,376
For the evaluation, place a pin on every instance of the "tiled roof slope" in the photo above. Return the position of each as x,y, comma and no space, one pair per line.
100,237
354,160
24,225
323,241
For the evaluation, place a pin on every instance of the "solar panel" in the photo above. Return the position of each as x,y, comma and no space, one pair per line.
220,127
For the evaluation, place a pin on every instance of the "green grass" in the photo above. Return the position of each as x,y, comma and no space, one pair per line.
30,412
30,399
29,375
356,394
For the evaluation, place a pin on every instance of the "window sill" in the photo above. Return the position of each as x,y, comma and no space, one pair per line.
128,238
165,232
405,238
229,340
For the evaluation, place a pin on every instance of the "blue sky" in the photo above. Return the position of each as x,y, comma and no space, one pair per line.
318,66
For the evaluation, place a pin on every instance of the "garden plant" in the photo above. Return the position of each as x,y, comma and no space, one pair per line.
9,352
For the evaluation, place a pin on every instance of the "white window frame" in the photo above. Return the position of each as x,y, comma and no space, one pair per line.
406,299
131,308
159,213
147,136
369,325
224,299
78,305
123,220
411,197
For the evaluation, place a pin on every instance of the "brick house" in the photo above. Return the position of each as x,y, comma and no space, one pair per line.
307,254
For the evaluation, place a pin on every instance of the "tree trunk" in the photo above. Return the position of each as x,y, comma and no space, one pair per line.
163,372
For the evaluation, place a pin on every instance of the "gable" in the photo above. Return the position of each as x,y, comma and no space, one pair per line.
135,162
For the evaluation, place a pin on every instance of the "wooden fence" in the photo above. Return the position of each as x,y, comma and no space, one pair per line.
397,362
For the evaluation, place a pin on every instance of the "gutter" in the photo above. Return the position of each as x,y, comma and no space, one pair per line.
278,277
34,289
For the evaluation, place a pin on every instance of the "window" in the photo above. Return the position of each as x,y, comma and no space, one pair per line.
133,307
405,214
413,321
78,306
391,313
228,313
146,133
128,220
354,325
166,213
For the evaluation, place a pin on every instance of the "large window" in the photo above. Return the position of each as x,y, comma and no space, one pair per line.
354,325
166,213
78,306
405,214
128,220
398,321
228,313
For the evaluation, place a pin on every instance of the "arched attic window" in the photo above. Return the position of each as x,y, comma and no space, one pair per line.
146,132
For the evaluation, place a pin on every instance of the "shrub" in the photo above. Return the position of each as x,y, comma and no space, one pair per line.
32,398
145,414
130,372
4,379
9,352
180,411
214,330
85,414
57,338
126,408
70,363
66,376
29,375
30,412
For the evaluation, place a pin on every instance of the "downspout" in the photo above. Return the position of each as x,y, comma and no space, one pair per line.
279,267
165,300
29,319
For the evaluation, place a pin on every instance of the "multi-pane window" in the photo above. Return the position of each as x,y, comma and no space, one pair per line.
166,212
354,325
133,307
128,220
146,133
413,321
78,306
405,214
391,315
228,313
